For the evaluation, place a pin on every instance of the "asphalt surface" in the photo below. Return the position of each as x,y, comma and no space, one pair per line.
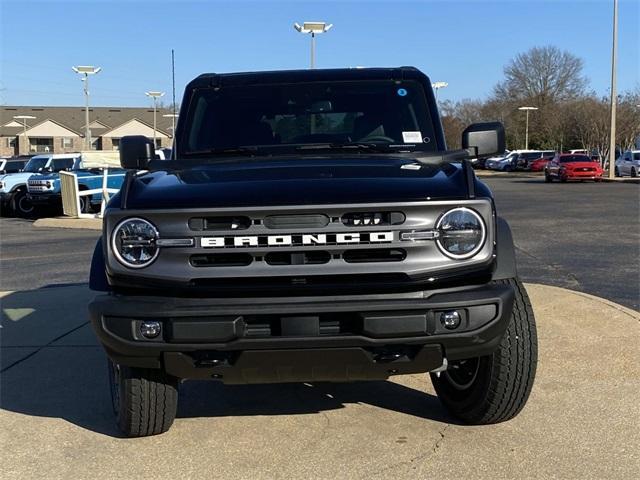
581,421
581,236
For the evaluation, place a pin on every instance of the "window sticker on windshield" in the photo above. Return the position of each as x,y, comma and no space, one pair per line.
402,92
412,137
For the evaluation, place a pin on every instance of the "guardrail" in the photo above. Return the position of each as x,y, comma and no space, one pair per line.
71,195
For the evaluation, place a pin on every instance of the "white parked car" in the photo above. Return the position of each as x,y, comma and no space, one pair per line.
502,163
628,164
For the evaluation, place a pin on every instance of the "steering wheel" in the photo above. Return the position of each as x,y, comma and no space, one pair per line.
377,138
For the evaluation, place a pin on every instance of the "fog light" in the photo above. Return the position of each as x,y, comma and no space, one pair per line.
450,320
150,329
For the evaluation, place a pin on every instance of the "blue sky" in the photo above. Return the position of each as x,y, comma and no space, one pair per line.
464,43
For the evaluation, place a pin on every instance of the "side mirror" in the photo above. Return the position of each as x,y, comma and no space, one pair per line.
486,139
136,151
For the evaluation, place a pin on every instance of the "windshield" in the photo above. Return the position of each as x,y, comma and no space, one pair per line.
36,164
336,113
636,155
531,155
574,158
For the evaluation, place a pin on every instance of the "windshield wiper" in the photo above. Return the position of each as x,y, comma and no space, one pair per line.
250,149
371,146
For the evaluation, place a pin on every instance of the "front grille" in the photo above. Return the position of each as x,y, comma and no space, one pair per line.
221,260
219,223
37,186
312,257
375,255
320,248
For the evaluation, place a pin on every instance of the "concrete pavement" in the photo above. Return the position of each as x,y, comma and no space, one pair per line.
581,420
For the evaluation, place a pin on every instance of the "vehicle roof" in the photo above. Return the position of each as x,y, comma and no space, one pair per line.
57,155
307,75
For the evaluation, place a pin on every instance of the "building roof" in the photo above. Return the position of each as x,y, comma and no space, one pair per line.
73,118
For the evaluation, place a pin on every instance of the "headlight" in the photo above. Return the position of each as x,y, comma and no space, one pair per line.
1,185
134,242
461,233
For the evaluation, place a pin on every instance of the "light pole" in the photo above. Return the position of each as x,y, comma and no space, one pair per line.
614,99
85,71
526,135
155,95
313,28
437,86
24,119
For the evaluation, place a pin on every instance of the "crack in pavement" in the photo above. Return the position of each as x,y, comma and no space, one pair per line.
35,352
417,458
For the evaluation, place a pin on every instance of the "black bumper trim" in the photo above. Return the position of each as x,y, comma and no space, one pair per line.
455,345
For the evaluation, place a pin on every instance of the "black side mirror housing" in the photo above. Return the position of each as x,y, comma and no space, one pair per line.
136,151
486,139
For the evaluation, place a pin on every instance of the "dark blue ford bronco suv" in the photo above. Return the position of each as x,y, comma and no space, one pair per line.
310,226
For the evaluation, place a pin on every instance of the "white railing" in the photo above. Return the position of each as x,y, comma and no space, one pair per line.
71,195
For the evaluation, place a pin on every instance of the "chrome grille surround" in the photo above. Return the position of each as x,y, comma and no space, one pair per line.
422,255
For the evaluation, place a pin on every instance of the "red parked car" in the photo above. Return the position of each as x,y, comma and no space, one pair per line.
569,166
539,164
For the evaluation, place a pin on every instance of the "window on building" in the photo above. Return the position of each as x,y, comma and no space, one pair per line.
66,142
41,144
115,143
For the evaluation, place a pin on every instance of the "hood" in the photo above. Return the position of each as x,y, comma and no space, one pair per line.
44,176
298,181
574,165
13,178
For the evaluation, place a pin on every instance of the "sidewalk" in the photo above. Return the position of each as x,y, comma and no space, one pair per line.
581,420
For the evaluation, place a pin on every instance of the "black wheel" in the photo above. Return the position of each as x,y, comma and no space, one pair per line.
547,177
144,401
21,206
563,179
494,388
634,173
617,172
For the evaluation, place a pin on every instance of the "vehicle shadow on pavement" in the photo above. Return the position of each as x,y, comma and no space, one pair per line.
213,399
52,366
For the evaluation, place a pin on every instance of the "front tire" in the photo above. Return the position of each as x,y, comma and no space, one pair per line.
144,400
495,388
21,206
634,173
547,177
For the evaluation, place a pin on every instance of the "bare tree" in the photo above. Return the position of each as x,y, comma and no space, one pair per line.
542,75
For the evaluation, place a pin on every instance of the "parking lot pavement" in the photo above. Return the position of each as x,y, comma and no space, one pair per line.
581,420
34,257
581,236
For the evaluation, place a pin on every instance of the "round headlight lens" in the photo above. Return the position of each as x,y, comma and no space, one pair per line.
461,233
134,242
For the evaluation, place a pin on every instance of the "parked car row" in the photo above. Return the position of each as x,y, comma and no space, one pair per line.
27,185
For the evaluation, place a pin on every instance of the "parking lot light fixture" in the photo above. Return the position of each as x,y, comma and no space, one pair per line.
526,135
85,71
314,28
155,95
24,119
437,86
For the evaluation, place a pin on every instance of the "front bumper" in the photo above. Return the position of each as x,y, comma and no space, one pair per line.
263,340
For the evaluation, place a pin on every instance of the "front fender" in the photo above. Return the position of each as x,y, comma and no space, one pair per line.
98,274
505,252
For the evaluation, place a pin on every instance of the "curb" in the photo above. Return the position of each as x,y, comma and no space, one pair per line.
621,179
68,222
628,311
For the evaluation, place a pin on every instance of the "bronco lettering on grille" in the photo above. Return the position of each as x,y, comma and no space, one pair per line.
297,240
